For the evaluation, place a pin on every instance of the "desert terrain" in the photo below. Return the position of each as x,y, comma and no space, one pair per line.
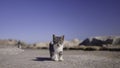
13,57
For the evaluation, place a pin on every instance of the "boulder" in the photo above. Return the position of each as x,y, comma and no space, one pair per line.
41,45
116,41
101,40
92,41
71,44
7,42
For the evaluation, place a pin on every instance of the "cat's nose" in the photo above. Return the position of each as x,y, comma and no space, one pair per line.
58,45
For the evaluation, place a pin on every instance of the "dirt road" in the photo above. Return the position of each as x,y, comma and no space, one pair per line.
72,59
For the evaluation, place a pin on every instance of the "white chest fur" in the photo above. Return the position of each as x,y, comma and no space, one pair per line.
58,48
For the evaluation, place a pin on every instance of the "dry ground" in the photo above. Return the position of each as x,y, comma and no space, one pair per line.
72,59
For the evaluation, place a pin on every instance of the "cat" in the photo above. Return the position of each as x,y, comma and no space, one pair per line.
56,48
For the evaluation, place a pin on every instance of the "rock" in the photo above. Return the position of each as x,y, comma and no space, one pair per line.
41,45
85,42
92,41
8,42
116,41
11,43
71,44
101,40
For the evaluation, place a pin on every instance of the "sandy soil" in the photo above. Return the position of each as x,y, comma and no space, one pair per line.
72,59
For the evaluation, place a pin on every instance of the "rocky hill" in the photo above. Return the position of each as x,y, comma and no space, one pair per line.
11,43
92,43
101,41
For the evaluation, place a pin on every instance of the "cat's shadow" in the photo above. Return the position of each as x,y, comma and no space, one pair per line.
42,59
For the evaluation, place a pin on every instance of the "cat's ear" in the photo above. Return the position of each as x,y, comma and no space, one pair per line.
53,36
63,37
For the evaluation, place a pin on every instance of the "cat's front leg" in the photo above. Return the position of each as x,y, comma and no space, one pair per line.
61,56
55,57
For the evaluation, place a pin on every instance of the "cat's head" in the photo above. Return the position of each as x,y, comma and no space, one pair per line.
58,40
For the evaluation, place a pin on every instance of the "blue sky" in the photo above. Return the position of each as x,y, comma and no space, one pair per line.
37,20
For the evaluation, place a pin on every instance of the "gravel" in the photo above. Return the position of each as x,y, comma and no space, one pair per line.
10,51
19,58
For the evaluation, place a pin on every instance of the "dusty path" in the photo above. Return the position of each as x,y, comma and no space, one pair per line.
73,59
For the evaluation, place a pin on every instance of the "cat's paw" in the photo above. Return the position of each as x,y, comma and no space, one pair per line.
61,59
55,59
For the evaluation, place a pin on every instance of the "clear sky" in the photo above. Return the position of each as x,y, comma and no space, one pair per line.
37,20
